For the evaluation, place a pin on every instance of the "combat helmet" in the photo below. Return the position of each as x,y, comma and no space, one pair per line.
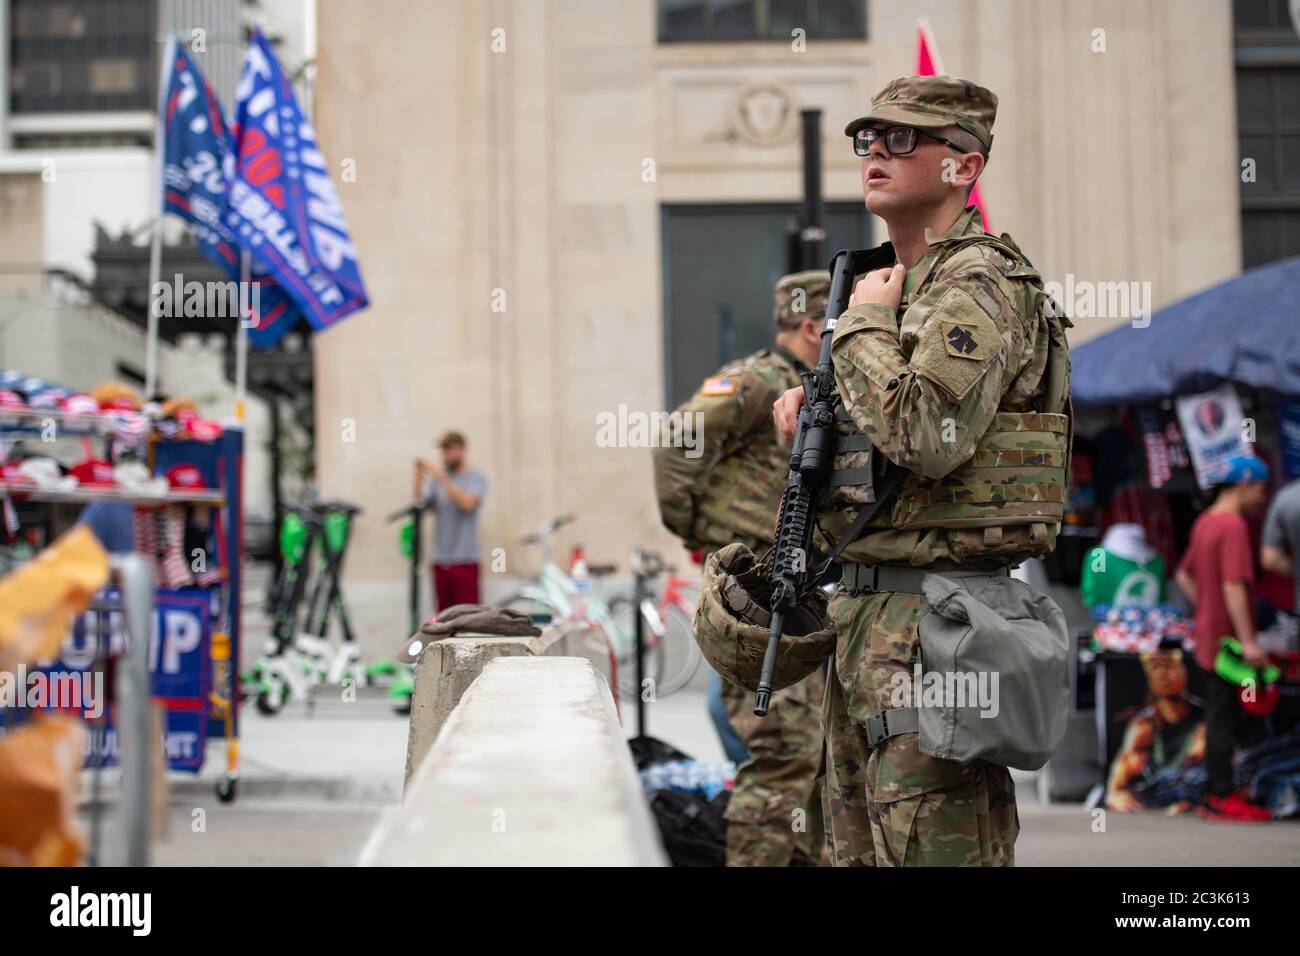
732,620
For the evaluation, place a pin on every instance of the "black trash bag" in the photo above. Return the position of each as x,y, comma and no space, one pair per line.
648,751
693,829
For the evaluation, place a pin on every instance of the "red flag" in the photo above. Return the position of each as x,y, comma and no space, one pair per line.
929,64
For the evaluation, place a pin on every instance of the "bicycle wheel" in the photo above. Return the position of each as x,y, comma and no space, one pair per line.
620,611
681,654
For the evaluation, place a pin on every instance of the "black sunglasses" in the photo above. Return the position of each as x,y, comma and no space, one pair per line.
899,140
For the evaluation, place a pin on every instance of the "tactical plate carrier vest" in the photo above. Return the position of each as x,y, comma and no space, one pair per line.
1017,475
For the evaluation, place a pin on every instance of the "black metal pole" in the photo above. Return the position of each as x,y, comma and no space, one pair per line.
417,559
277,500
793,244
813,234
639,630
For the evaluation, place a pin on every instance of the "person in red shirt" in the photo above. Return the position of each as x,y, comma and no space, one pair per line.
1218,576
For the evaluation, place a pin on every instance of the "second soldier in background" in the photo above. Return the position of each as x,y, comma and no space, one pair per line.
729,492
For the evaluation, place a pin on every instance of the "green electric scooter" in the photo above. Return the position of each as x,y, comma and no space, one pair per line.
313,542
409,546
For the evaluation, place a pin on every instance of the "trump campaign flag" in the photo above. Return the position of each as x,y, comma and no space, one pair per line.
282,206
196,150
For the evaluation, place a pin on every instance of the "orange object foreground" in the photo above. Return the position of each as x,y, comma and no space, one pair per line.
39,600
39,775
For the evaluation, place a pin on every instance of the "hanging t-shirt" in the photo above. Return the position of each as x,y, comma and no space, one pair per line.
1109,579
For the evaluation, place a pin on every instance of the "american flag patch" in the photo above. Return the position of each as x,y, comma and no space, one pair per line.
718,385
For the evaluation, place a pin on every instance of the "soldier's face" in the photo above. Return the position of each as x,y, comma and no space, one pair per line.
893,185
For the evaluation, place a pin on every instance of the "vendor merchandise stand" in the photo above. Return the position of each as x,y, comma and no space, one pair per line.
1204,343
221,463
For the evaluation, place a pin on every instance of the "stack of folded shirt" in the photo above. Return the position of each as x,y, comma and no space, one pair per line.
1134,629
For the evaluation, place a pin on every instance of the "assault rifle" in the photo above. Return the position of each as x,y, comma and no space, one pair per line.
790,576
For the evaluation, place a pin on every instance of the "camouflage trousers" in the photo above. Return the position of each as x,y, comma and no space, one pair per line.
775,814
893,805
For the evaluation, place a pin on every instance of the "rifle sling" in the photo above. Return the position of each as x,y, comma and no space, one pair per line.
889,482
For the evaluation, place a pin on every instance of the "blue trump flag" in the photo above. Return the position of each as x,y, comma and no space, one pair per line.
282,205
197,152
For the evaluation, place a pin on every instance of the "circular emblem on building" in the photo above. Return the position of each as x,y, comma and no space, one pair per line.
763,114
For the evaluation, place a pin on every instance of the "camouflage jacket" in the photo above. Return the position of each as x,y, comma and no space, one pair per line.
929,382
728,486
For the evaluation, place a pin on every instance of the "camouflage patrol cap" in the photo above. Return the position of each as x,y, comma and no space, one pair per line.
933,102
732,619
792,308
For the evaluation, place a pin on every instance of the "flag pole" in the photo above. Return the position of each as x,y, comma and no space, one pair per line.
927,45
241,334
155,241
923,24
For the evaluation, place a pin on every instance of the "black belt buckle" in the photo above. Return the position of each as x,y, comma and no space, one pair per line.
877,728
875,578
861,581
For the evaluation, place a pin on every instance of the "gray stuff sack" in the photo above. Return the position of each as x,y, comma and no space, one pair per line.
994,626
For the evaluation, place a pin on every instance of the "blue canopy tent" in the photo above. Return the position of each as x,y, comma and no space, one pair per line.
1245,330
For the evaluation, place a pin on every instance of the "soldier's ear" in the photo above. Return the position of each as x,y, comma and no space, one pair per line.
969,168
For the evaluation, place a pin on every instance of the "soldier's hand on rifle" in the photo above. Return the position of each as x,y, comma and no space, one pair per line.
880,287
785,412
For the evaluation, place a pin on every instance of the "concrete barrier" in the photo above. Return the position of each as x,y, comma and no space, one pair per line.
531,768
448,666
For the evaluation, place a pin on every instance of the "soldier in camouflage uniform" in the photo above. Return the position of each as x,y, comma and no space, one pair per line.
953,365
729,493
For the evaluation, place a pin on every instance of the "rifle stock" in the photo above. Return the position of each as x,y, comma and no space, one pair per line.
810,465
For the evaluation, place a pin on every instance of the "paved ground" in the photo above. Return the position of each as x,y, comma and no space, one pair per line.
314,787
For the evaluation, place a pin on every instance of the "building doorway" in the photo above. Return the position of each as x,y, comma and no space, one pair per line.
721,262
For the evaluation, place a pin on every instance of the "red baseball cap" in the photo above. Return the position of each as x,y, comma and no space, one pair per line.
13,475
203,429
93,473
186,477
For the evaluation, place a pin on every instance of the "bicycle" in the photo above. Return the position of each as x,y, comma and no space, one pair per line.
669,632
553,596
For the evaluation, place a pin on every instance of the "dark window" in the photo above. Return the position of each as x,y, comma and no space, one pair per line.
1267,48
82,55
1261,18
721,263
689,21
